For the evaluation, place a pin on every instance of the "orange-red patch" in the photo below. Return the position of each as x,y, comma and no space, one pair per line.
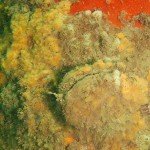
68,141
113,8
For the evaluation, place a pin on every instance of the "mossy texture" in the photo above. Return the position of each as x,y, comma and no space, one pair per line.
72,82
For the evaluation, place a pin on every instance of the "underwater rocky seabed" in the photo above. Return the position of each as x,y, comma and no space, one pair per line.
72,82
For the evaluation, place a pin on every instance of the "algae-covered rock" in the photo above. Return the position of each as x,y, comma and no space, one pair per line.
72,82
101,102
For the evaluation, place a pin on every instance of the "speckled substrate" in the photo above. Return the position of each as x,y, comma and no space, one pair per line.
74,82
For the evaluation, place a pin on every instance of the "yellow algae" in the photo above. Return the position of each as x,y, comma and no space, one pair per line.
36,78
31,124
85,69
121,47
50,16
54,45
56,60
120,35
68,140
125,43
109,64
135,89
11,62
139,121
57,23
100,64
64,6
34,56
23,35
